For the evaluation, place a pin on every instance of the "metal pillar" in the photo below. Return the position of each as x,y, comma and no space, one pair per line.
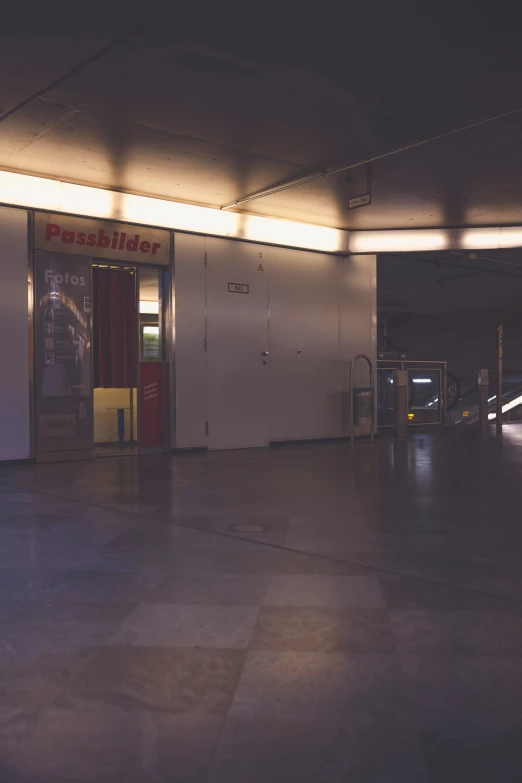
352,401
483,387
498,422
444,411
400,385
121,428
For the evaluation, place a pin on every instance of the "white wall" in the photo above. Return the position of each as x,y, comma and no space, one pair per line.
15,420
358,324
305,399
321,305
326,307
190,330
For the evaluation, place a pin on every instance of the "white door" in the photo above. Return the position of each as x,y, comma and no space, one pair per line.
305,389
237,344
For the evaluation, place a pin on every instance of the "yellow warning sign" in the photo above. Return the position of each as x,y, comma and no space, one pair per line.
260,268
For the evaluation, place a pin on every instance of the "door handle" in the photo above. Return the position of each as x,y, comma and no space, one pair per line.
266,353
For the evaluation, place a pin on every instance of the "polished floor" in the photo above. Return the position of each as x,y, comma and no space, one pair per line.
313,612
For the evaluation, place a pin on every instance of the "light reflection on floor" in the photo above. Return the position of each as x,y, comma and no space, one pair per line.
307,612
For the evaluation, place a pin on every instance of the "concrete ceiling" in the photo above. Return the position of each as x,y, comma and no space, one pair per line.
207,106
443,282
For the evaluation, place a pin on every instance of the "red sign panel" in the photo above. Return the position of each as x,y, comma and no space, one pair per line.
151,408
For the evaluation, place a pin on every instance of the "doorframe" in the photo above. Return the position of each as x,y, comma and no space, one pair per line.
164,323
105,263
164,320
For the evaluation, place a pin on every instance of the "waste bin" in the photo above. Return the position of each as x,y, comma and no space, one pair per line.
363,406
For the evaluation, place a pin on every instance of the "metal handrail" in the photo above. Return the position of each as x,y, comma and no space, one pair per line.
411,361
352,406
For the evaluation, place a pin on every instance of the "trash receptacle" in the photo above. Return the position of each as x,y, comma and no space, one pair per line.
363,406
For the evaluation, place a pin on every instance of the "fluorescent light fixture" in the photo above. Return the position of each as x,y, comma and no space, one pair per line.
507,407
435,239
398,241
480,238
283,232
80,199
23,190
422,380
171,214
151,308
510,236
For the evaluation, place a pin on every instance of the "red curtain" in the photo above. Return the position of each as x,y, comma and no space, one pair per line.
115,329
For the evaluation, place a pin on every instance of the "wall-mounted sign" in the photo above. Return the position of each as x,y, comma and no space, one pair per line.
150,343
57,426
238,288
359,201
63,326
62,353
99,239
151,405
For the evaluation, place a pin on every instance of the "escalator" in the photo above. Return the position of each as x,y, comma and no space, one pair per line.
426,384
466,410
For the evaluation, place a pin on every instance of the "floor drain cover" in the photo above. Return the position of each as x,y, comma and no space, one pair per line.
247,528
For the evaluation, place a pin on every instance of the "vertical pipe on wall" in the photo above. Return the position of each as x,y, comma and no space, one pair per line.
444,395
483,386
170,338
500,367
30,325
373,337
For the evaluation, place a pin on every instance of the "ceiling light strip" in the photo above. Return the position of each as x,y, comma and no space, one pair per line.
51,195
24,190
415,240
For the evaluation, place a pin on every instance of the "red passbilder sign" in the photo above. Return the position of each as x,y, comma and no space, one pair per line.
151,407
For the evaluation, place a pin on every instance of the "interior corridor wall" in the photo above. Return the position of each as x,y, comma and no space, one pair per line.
357,325
190,330
322,314
15,418
322,311
305,392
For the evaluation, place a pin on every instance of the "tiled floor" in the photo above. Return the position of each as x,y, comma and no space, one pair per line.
314,612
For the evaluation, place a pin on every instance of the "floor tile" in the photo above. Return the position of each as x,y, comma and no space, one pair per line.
411,593
174,625
453,693
225,589
102,586
358,747
321,591
30,683
481,756
436,632
107,743
159,679
312,686
60,628
323,630
143,640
